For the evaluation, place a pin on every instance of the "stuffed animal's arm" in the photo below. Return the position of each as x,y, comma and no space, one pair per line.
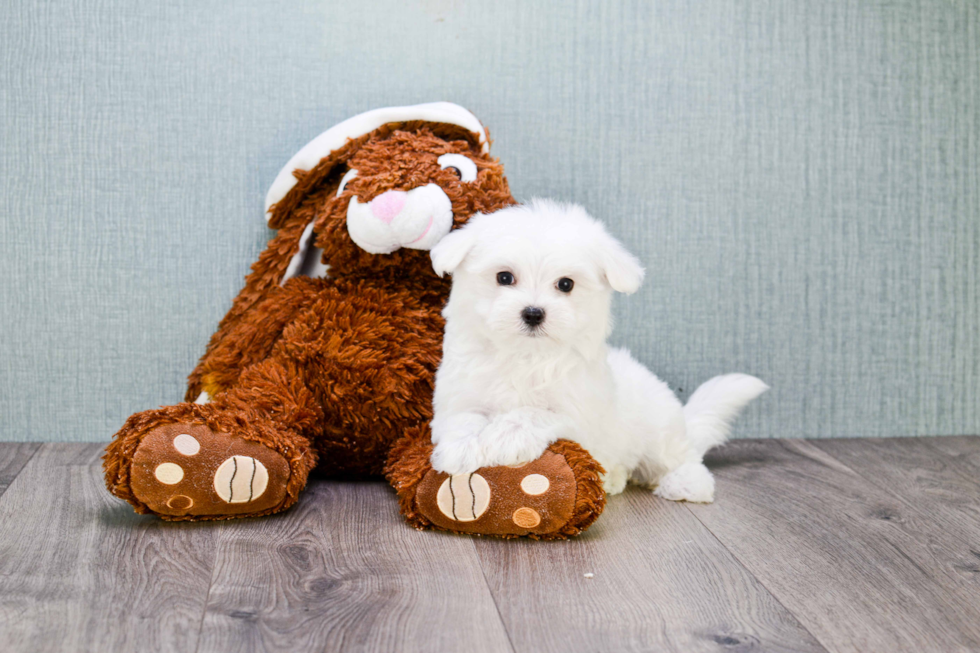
250,338
263,282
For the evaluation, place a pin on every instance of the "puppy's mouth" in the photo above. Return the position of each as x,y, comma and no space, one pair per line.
536,331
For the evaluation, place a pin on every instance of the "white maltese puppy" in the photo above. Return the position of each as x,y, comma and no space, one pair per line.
525,360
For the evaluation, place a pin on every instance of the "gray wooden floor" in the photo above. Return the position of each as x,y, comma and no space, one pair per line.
830,545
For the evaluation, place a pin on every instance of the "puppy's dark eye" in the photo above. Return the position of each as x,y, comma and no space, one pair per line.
455,171
505,279
565,284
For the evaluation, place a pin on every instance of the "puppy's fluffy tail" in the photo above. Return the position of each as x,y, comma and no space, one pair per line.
713,407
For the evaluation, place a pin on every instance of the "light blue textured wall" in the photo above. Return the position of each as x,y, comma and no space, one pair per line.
801,179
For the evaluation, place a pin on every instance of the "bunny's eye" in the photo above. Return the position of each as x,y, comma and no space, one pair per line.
343,182
463,166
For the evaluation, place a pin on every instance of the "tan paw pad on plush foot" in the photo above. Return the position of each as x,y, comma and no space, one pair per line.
535,498
186,470
463,497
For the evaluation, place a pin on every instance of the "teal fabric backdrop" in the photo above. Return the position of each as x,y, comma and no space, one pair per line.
800,178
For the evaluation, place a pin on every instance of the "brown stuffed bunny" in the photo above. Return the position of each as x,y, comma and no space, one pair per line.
326,359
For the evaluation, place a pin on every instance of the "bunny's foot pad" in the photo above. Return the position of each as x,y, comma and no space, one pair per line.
535,499
186,471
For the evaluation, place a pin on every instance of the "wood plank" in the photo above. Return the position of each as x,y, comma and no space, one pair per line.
964,449
80,571
342,571
940,493
871,544
861,569
661,582
13,457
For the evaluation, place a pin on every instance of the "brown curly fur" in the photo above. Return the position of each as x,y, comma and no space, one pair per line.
338,373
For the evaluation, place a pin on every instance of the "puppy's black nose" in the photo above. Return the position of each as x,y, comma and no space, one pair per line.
532,316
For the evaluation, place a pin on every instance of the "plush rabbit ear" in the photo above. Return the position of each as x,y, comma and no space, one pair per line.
622,270
453,248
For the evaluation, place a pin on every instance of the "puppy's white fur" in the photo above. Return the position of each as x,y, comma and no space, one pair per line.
506,390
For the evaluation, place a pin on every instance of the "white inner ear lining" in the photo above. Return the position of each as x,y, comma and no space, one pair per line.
350,174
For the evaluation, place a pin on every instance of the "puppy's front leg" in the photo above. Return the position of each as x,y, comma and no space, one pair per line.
521,435
456,437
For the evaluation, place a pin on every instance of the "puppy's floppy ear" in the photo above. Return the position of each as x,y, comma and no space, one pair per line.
622,270
453,248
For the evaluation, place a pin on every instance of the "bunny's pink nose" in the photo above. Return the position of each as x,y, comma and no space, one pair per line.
387,205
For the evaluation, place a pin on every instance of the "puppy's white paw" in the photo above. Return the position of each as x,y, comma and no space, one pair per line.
689,482
615,479
458,456
512,439
457,426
